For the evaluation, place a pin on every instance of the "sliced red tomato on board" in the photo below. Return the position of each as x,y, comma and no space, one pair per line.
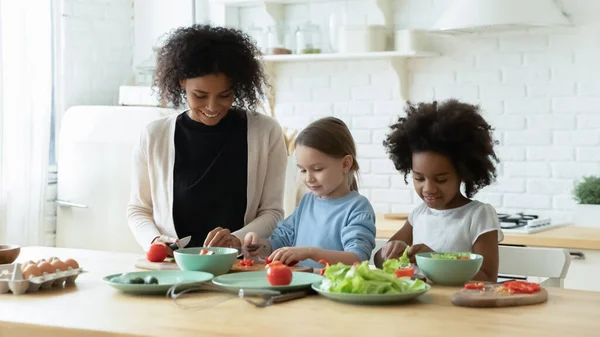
405,272
279,275
246,263
522,287
157,252
474,285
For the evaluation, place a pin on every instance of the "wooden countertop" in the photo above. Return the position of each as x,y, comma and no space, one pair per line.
92,308
574,237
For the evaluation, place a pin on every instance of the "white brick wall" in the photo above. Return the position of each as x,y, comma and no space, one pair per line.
539,89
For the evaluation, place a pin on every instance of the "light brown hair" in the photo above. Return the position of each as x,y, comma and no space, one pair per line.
331,136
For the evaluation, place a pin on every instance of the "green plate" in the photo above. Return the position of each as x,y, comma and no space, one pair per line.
166,279
258,280
369,298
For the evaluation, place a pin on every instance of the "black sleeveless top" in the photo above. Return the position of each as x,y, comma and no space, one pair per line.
210,175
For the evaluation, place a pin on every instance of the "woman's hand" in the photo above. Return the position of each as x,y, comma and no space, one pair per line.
287,255
165,240
393,249
251,239
418,248
221,237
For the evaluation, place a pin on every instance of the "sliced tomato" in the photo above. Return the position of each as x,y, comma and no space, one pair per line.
522,287
206,252
326,265
474,285
246,263
405,272
279,275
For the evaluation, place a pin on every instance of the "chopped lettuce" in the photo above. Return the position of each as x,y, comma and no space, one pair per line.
393,264
361,279
452,256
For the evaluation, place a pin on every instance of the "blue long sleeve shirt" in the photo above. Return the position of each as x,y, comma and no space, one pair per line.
342,224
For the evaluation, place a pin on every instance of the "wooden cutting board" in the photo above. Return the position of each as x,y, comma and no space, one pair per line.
167,264
492,299
260,266
171,265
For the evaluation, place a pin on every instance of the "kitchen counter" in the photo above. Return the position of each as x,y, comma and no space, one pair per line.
573,237
92,308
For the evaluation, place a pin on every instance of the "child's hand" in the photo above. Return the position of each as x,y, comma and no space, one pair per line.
418,248
287,255
393,249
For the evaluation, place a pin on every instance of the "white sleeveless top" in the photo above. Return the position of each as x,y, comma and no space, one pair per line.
453,230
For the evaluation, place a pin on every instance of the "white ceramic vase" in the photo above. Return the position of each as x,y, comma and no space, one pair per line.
587,215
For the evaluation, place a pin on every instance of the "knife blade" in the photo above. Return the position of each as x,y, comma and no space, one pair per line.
181,243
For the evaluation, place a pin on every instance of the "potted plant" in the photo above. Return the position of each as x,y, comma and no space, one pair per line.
587,194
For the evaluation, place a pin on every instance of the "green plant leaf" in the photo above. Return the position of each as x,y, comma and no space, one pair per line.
587,191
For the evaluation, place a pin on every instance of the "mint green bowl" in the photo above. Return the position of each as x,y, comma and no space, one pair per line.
449,272
217,264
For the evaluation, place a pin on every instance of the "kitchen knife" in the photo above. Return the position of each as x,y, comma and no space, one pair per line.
181,243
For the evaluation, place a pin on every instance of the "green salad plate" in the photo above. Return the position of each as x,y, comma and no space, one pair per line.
370,298
258,280
156,282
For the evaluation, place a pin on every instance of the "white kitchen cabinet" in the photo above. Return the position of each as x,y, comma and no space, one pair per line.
584,272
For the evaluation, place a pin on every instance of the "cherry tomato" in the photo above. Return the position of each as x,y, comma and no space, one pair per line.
157,252
522,287
279,275
405,272
474,285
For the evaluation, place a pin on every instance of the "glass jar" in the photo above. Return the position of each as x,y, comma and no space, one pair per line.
308,39
277,38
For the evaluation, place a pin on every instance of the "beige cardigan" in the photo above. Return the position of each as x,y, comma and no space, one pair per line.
150,208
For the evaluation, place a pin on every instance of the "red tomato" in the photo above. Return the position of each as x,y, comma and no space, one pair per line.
246,263
405,272
204,252
157,252
279,275
326,265
474,285
522,287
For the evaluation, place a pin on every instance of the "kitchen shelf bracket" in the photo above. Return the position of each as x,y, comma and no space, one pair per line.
399,66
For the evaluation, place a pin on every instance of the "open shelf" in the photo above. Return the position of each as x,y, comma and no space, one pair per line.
245,3
342,56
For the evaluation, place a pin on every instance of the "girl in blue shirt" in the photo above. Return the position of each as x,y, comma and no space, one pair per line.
333,222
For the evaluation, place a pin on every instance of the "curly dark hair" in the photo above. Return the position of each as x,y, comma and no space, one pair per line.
451,128
200,50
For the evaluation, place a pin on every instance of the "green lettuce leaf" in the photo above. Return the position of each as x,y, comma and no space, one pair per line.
389,266
361,279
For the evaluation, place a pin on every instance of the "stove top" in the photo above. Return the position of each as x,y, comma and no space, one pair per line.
525,223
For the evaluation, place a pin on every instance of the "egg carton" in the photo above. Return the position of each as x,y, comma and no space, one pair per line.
11,279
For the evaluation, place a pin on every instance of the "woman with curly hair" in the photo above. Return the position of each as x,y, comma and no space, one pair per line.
215,171
446,145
